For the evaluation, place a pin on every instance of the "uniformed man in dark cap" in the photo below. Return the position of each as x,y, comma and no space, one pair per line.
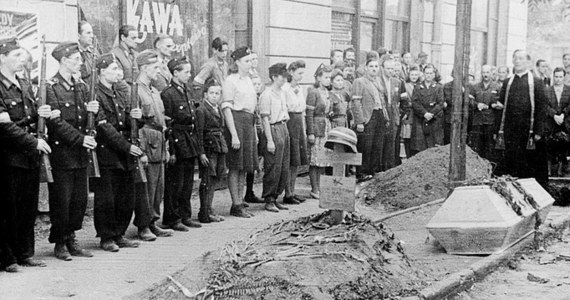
115,189
69,158
184,149
153,143
19,160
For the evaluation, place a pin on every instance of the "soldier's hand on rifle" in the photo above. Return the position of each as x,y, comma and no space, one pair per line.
135,151
43,146
428,116
44,111
136,113
537,137
5,118
56,113
172,159
360,128
204,160
499,105
93,106
144,160
89,142
482,106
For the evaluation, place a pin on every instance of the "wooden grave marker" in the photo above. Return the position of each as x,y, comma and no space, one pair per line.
338,191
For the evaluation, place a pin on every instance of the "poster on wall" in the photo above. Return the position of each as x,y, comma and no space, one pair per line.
24,26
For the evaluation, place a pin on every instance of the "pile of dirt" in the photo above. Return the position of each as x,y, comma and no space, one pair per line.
303,259
420,179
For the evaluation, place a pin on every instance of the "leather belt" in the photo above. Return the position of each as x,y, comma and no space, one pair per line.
183,127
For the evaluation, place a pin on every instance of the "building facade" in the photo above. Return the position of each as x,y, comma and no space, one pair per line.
286,30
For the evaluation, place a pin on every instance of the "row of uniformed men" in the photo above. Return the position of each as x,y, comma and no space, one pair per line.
68,105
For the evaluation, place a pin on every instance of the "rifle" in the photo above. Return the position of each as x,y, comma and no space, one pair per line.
45,165
140,174
93,170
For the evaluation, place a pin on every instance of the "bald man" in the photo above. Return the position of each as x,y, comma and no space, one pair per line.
483,102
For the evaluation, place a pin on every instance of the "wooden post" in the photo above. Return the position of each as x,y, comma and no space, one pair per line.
460,100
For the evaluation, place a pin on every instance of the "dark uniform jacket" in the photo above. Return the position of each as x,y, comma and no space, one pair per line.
555,108
426,100
180,109
488,96
18,143
210,125
66,142
113,127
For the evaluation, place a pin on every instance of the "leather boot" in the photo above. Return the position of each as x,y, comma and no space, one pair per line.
279,205
204,214
76,250
146,235
270,205
61,252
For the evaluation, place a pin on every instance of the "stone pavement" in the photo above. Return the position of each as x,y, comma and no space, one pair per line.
130,271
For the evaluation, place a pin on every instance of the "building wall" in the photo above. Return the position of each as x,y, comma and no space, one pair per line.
548,29
57,20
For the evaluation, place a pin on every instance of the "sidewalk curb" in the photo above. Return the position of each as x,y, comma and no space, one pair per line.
463,279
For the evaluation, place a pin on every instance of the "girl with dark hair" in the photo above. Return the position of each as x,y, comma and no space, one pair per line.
339,100
296,107
238,106
407,121
427,105
318,125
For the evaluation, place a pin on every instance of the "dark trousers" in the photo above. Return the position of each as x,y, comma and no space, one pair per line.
143,209
19,208
481,138
371,143
114,202
446,133
67,203
397,146
276,165
178,191
517,161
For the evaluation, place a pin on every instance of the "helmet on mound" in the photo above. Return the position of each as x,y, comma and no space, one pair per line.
341,135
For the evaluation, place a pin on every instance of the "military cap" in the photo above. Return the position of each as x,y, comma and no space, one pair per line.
105,60
8,44
278,69
175,62
147,57
240,52
65,49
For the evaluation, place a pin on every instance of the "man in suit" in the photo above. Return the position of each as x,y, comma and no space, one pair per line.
407,61
483,98
557,132
126,53
164,45
88,52
542,71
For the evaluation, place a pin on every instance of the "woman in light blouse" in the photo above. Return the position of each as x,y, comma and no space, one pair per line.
238,106
298,141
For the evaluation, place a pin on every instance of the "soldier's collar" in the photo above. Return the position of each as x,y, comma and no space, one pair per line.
7,82
106,90
177,86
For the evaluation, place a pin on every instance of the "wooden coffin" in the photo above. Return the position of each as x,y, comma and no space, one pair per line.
476,220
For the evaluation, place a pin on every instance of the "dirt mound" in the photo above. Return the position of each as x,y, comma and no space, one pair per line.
420,179
304,259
